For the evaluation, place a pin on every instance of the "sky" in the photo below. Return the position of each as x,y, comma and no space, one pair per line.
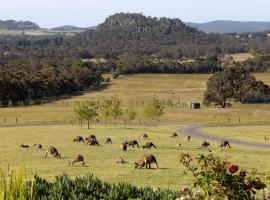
86,13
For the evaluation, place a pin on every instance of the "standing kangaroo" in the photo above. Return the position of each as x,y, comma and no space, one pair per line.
123,146
225,143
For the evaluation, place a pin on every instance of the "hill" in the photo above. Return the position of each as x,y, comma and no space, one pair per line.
18,25
66,28
131,33
223,26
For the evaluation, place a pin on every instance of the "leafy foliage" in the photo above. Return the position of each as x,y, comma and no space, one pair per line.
154,110
234,84
86,110
219,179
88,187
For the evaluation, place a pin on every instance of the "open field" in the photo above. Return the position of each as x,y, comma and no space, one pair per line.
101,160
136,90
249,133
240,57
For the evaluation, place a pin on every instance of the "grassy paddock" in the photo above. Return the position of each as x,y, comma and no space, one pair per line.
133,90
101,160
245,133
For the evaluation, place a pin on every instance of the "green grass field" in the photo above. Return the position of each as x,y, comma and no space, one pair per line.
133,90
101,160
250,133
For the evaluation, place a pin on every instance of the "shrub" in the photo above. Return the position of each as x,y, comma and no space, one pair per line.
219,179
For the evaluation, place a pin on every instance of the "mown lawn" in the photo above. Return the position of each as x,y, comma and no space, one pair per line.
250,133
101,160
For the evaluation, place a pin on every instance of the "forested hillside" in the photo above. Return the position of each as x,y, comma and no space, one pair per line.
127,44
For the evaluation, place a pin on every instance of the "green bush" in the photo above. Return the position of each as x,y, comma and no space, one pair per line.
88,187
219,179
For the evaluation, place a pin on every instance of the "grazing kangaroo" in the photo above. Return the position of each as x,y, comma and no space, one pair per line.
266,138
149,145
90,136
144,136
146,161
38,146
225,143
77,158
120,161
78,139
205,144
132,143
174,135
123,146
108,141
53,151
24,146
188,138
92,142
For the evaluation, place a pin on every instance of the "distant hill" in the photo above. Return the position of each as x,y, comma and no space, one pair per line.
223,26
66,28
18,25
132,33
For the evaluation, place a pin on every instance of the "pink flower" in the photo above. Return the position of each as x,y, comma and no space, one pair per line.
233,168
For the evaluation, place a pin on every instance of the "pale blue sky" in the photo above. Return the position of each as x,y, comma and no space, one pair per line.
51,13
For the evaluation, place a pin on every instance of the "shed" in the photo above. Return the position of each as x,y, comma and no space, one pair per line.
194,105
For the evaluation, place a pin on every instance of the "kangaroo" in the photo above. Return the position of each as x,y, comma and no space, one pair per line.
78,139
53,151
177,145
146,161
144,136
149,145
205,144
123,146
266,138
90,136
225,143
120,161
38,146
174,135
92,142
77,158
132,143
108,141
188,138
24,146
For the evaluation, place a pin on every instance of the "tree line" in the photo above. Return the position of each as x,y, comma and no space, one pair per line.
111,108
23,85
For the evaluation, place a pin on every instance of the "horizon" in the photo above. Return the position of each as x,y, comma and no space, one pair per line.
50,14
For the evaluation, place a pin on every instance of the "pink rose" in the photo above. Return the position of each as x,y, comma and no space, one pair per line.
233,168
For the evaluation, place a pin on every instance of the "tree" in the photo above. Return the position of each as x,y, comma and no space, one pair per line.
86,110
104,110
111,108
232,84
115,110
131,114
154,110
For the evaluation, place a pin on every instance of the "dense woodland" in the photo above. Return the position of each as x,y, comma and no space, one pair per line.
129,43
